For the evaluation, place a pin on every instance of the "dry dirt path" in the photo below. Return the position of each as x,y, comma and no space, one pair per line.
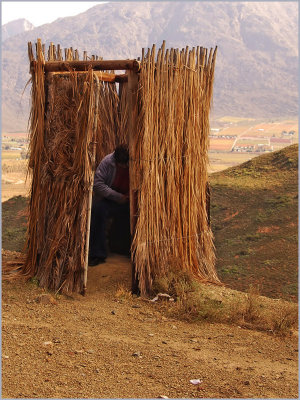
104,346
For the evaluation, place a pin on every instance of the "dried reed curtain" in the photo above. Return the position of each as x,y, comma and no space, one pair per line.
61,137
112,121
169,166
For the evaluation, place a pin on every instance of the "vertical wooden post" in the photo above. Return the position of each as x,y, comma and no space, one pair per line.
132,99
89,210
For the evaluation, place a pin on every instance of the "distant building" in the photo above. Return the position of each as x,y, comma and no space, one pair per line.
290,133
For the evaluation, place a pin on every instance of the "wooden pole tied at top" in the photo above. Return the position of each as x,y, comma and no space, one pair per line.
96,65
102,76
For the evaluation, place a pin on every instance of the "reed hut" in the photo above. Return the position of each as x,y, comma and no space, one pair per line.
159,105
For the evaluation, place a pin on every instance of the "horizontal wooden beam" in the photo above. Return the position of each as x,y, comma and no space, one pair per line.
97,65
102,76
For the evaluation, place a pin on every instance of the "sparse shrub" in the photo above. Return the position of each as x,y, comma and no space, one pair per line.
291,289
279,201
235,310
190,301
291,163
195,301
177,282
196,306
34,281
261,217
253,237
252,305
267,262
284,319
211,310
123,293
162,285
230,270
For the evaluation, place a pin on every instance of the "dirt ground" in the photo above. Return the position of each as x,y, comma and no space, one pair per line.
105,345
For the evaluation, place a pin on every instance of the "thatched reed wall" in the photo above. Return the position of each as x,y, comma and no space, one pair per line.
63,130
112,119
168,165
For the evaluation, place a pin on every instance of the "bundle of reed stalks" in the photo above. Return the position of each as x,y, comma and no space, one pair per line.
64,133
170,165
112,121
62,175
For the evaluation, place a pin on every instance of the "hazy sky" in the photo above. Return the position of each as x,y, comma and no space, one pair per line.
42,12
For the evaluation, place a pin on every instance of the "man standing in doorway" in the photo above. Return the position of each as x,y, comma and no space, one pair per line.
110,199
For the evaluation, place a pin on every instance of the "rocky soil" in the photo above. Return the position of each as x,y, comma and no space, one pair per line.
111,345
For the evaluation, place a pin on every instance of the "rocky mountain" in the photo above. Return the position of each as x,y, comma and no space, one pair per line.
13,28
256,68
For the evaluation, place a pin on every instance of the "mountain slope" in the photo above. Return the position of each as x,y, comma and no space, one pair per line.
16,27
256,70
254,219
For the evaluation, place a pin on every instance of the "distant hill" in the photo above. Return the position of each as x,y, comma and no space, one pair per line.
256,69
255,222
16,27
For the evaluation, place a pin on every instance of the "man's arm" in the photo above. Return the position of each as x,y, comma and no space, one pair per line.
102,176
